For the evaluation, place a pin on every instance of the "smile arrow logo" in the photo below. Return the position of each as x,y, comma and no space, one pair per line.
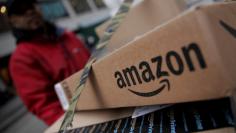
165,84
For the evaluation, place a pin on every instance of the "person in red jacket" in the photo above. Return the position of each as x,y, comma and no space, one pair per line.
45,55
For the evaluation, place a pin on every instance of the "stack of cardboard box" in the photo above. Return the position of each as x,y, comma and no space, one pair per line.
161,54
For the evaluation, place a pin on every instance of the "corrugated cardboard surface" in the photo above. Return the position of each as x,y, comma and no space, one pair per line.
199,28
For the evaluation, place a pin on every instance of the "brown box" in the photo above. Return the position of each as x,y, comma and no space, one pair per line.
140,19
190,58
196,49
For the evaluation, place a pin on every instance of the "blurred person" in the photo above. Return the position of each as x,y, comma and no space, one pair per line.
45,55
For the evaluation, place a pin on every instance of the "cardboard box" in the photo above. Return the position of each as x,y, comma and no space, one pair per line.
141,19
190,58
205,116
85,118
208,67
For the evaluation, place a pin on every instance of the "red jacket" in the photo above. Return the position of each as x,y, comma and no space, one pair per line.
35,68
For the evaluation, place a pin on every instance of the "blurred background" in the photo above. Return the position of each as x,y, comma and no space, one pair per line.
79,16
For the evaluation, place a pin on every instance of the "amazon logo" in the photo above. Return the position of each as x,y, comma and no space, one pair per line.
176,64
